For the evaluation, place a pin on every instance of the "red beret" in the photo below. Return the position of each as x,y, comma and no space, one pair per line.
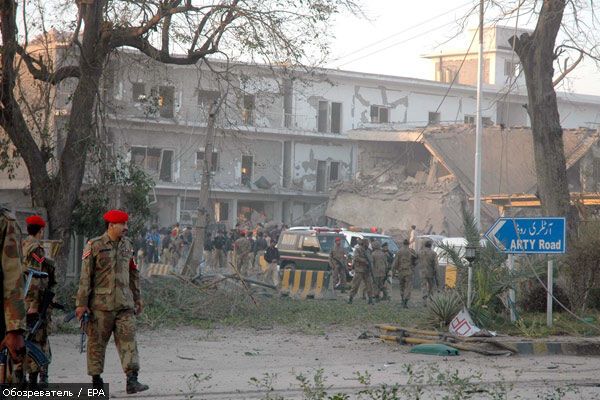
116,216
35,220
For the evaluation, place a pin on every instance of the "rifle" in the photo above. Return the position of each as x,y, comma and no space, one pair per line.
83,328
47,302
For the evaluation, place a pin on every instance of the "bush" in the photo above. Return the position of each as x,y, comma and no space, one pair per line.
535,300
442,308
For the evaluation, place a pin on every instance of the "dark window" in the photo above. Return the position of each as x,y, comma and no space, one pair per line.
138,91
336,117
166,98
214,162
380,114
434,118
469,119
207,97
321,177
334,171
221,211
510,68
147,158
487,121
247,162
166,166
322,116
248,111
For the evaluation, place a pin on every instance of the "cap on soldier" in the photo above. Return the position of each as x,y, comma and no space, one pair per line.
35,220
116,216
338,239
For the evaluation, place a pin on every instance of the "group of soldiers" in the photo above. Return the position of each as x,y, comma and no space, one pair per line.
108,297
372,263
247,253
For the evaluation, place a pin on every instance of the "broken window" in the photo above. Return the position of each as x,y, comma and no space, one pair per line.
166,166
248,110
322,116
510,68
321,171
166,101
288,98
336,117
487,121
138,92
147,158
380,114
434,118
334,171
214,162
470,119
247,162
207,97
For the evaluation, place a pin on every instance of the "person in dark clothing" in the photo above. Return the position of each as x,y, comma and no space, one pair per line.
259,247
272,258
219,257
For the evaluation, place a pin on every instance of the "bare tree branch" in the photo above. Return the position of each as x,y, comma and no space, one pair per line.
567,69
40,71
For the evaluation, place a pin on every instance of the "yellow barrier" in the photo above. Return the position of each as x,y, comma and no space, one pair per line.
451,272
304,284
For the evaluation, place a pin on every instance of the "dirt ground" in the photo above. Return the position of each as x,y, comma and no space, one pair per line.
219,364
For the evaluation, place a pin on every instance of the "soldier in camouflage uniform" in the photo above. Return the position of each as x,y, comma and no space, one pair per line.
362,273
337,263
109,289
35,258
12,324
428,264
403,267
380,271
243,253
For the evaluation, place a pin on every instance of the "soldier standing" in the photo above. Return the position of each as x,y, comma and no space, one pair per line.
12,324
362,274
258,249
219,257
428,264
109,290
243,249
403,267
272,257
380,271
35,258
337,262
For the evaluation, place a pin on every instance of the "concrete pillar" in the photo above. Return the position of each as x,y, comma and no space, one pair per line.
278,211
233,206
178,209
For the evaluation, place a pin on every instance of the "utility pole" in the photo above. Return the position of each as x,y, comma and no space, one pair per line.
195,257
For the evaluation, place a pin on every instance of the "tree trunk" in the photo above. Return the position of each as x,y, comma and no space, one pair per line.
536,53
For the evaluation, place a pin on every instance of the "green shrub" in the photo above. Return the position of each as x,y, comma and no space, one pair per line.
442,307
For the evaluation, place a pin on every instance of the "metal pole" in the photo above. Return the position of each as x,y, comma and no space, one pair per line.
469,287
549,296
478,127
511,292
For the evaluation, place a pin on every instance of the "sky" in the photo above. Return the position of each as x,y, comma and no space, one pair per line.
399,32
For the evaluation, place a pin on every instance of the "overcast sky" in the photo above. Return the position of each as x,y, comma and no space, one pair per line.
401,31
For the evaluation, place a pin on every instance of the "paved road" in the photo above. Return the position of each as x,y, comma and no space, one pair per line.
224,361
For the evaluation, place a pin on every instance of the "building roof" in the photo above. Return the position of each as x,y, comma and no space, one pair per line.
507,159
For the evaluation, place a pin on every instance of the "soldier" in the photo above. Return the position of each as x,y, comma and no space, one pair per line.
12,324
109,290
362,274
35,258
243,250
219,257
258,248
412,237
403,267
272,257
390,257
428,264
337,262
380,271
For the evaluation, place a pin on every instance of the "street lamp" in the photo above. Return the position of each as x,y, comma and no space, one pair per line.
470,255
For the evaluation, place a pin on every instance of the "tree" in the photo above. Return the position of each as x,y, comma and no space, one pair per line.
291,31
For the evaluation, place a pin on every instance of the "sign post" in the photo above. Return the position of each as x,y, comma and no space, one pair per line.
537,235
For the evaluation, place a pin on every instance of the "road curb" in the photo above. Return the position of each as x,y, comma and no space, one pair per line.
581,348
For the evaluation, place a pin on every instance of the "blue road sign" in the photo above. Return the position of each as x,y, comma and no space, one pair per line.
538,235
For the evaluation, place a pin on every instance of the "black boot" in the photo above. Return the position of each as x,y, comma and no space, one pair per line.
97,382
33,380
133,386
44,379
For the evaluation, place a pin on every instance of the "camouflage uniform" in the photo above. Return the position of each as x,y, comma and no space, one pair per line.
35,258
360,266
428,264
243,252
13,305
403,267
110,287
337,262
380,270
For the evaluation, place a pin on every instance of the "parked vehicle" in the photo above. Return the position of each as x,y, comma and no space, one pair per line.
352,236
308,248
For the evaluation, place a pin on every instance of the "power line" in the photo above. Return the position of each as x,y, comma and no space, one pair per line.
400,32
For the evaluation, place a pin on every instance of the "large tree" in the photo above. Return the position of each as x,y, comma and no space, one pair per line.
282,31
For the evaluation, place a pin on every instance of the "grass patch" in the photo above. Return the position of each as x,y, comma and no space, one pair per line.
533,325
